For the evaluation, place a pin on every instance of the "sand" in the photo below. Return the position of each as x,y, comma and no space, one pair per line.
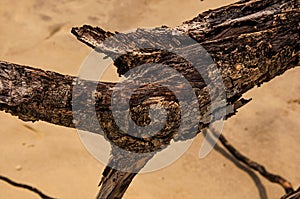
52,158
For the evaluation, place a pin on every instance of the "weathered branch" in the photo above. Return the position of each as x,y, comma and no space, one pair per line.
246,38
250,41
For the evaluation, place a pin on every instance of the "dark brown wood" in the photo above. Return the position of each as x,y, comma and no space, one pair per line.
244,38
293,195
251,42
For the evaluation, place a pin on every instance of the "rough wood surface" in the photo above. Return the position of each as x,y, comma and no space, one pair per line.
250,41
243,39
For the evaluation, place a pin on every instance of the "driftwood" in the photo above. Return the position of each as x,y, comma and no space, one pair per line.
251,42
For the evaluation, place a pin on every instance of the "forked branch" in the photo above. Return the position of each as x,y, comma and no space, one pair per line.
250,41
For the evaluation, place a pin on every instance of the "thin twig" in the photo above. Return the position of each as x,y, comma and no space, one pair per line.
293,195
24,186
255,166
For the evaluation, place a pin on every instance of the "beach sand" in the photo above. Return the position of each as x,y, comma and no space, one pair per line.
53,159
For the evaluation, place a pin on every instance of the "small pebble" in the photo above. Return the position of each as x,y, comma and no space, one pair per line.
19,168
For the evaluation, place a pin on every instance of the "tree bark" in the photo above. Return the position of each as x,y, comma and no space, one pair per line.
251,42
252,35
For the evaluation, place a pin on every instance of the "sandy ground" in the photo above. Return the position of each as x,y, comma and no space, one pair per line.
52,158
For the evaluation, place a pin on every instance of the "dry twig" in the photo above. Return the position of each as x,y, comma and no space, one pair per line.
24,186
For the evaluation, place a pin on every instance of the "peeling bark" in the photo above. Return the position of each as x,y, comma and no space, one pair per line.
251,42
